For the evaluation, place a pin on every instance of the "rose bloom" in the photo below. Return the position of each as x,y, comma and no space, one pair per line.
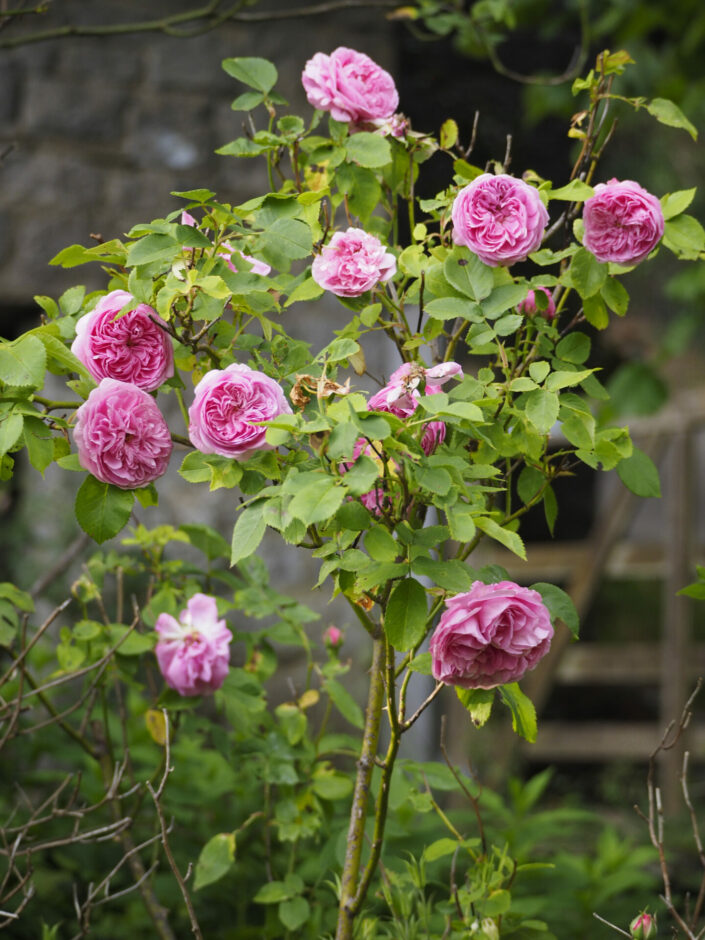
193,652
529,306
227,402
490,635
132,348
350,86
352,263
623,222
121,435
400,396
501,219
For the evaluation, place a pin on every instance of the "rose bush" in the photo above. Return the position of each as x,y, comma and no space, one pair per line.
193,652
130,348
490,635
623,222
121,435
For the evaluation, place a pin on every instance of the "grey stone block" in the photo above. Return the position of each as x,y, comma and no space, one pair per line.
171,132
86,111
49,179
111,58
9,91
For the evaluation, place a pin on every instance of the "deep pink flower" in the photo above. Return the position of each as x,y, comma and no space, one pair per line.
400,396
353,262
121,435
623,222
193,652
350,86
529,307
490,635
227,402
131,348
333,637
499,218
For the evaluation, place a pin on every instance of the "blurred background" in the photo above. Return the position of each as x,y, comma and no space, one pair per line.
96,131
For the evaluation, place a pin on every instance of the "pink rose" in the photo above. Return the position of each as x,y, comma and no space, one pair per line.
643,926
499,218
400,396
529,307
350,86
132,348
623,222
490,635
227,402
353,262
333,637
193,652
121,435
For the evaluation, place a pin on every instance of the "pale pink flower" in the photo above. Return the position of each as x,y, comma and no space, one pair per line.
499,218
623,222
121,435
226,403
528,305
490,635
401,395
352,263
193,652
131,348
350,86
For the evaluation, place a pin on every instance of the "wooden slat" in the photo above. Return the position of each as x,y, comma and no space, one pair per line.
593,742
618,664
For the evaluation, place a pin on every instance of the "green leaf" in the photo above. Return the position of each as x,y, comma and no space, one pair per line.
206,540
421,664
380,545
467,274
522,709
250,70
506,537
102,510
587,274
640,474
39,443
539,370
307,290
559,604
247,101
452,575
575,191
247,533
450,308
344,702
131,642
317,501
684,236
503,298
541,409
369,150
60,354
406,614
273,892
596,312
11,425
151,248
461,522
216,859
615,296
478,703
342,441
285,240
575,348
23,363
434,479
672,204
508,324
529,484
563,378
667,112
294,913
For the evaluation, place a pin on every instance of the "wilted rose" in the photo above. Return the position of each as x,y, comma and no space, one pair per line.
121,435
193,652
227,402
623,222
490,635
352,263
349,85
131,348
499,218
